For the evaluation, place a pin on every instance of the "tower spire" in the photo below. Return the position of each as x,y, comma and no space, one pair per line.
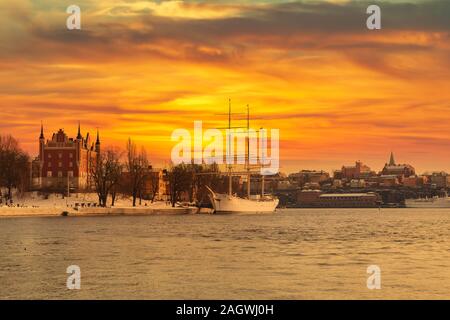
97,143
391,160
98,137
42,131
79,131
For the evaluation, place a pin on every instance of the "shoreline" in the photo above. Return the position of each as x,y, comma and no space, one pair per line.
13,212
46,212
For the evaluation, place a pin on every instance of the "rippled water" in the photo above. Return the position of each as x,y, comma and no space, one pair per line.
293,254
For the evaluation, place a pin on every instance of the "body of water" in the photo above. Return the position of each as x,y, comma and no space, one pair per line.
292,254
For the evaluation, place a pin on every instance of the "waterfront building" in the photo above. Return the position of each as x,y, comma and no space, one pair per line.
308,198
318,199
349,200
64,161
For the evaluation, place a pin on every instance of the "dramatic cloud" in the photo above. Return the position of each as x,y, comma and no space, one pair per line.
311,68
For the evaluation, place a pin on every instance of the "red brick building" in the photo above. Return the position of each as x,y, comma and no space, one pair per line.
64,161
358,171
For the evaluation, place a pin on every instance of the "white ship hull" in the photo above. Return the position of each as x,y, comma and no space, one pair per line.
428,203
232,204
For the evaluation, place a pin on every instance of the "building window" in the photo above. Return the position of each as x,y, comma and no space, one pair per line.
71,164
71,155
49,164
60,174
49,174
49,156
60,164
70,174
60,155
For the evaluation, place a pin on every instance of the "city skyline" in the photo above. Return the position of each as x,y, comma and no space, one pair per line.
93,140
337,91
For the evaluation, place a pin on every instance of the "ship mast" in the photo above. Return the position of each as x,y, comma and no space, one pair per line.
264,147
248,151
230,179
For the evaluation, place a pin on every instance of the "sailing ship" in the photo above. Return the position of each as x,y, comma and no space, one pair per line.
230,203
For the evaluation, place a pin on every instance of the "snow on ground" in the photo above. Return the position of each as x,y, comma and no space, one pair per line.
80,199
33,203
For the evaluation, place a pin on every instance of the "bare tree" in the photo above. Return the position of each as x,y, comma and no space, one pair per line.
180,180
116,176
153,178
106,173
205,175
14,165
138,168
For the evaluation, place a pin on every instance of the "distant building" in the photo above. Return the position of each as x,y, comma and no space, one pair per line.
308,198
350,200
399,170
64,161
317,199
312,185
357,183
155,184
439,179
388,180
309,176
283,185
337,183
414,181
358,171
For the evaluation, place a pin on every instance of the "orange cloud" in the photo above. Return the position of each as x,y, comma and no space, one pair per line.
336,91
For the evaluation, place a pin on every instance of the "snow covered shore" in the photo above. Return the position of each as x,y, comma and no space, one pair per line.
83,204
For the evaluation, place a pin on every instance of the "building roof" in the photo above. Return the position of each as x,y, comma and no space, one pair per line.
391,160
388,176
329,195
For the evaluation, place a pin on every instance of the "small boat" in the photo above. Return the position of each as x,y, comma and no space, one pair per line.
434,202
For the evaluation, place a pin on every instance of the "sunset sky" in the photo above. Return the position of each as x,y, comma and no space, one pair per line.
337,91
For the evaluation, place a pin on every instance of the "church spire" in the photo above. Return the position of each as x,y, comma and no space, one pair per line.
97,143
391,160
79,136
42,131
98,138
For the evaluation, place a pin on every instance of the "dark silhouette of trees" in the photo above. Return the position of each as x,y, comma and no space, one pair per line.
180,180
203,176
153,178
14,165
191,180
137,165
106,173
